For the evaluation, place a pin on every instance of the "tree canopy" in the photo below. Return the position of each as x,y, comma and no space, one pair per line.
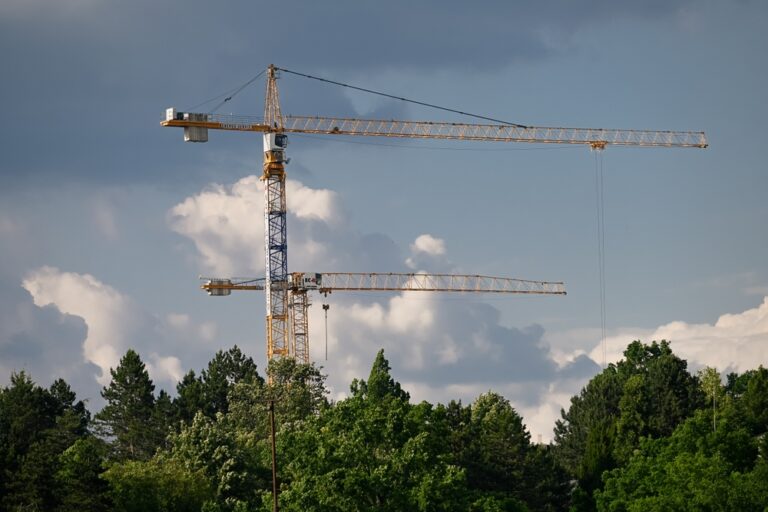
643,434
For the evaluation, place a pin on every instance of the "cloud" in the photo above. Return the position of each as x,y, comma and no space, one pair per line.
114,323
437,344
428,244
166,368
104,218
429,252
116,84
43,342
109,316
311,203
226,225
735,342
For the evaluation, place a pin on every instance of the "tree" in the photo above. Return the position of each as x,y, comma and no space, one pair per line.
80,487
501,463
754,401
36,425
584,437
373,450
224,371
215,449
499,448
380,383
139,486
164,418
190,397
713,389
696,468
647,394
127,418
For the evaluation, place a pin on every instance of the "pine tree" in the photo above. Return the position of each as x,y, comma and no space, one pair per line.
189,399
127,419
225,370
36,426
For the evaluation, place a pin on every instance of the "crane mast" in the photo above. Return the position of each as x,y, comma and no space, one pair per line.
275,228
286,300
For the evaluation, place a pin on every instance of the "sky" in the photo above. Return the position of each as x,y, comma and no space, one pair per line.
107,219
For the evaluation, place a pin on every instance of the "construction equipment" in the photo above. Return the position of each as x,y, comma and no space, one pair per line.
302,282
274,126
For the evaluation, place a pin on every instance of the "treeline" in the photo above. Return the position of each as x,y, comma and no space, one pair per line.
644,434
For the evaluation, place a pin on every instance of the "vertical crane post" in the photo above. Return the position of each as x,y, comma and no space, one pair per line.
275,214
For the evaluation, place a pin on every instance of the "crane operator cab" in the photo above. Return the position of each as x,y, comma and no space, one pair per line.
274,146
275,142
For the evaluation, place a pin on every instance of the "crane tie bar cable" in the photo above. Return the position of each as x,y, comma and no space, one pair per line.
401,99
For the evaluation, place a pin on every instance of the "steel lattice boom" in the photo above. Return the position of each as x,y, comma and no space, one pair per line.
302,282
328,282
443,130
337,281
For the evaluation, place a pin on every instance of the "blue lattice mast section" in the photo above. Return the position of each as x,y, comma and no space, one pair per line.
276,253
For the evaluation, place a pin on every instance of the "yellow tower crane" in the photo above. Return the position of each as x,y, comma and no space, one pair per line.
274,126
302,282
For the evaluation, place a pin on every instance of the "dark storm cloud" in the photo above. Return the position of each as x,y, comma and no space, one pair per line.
85,82
490,352
579,368
44,343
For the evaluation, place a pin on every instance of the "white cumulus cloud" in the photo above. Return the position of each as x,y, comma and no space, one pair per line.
226,224
429,252
109,316
429,244
114,323
735,342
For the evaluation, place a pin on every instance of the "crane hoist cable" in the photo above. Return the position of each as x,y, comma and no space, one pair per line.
600,218
325,309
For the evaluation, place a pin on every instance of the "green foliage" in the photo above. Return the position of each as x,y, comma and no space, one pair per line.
80,486
646,395
641,435
695,468
36,425
190,397
373,450
490,503
212,449
702,465
128,417
499,447
141,486
380,383
225,370
754,401
164,417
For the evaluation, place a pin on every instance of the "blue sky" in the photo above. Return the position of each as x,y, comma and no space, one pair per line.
107,219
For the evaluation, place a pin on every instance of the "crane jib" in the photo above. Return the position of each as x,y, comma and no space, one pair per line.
595,137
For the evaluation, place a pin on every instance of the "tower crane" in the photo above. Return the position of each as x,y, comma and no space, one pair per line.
274,126
302,282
